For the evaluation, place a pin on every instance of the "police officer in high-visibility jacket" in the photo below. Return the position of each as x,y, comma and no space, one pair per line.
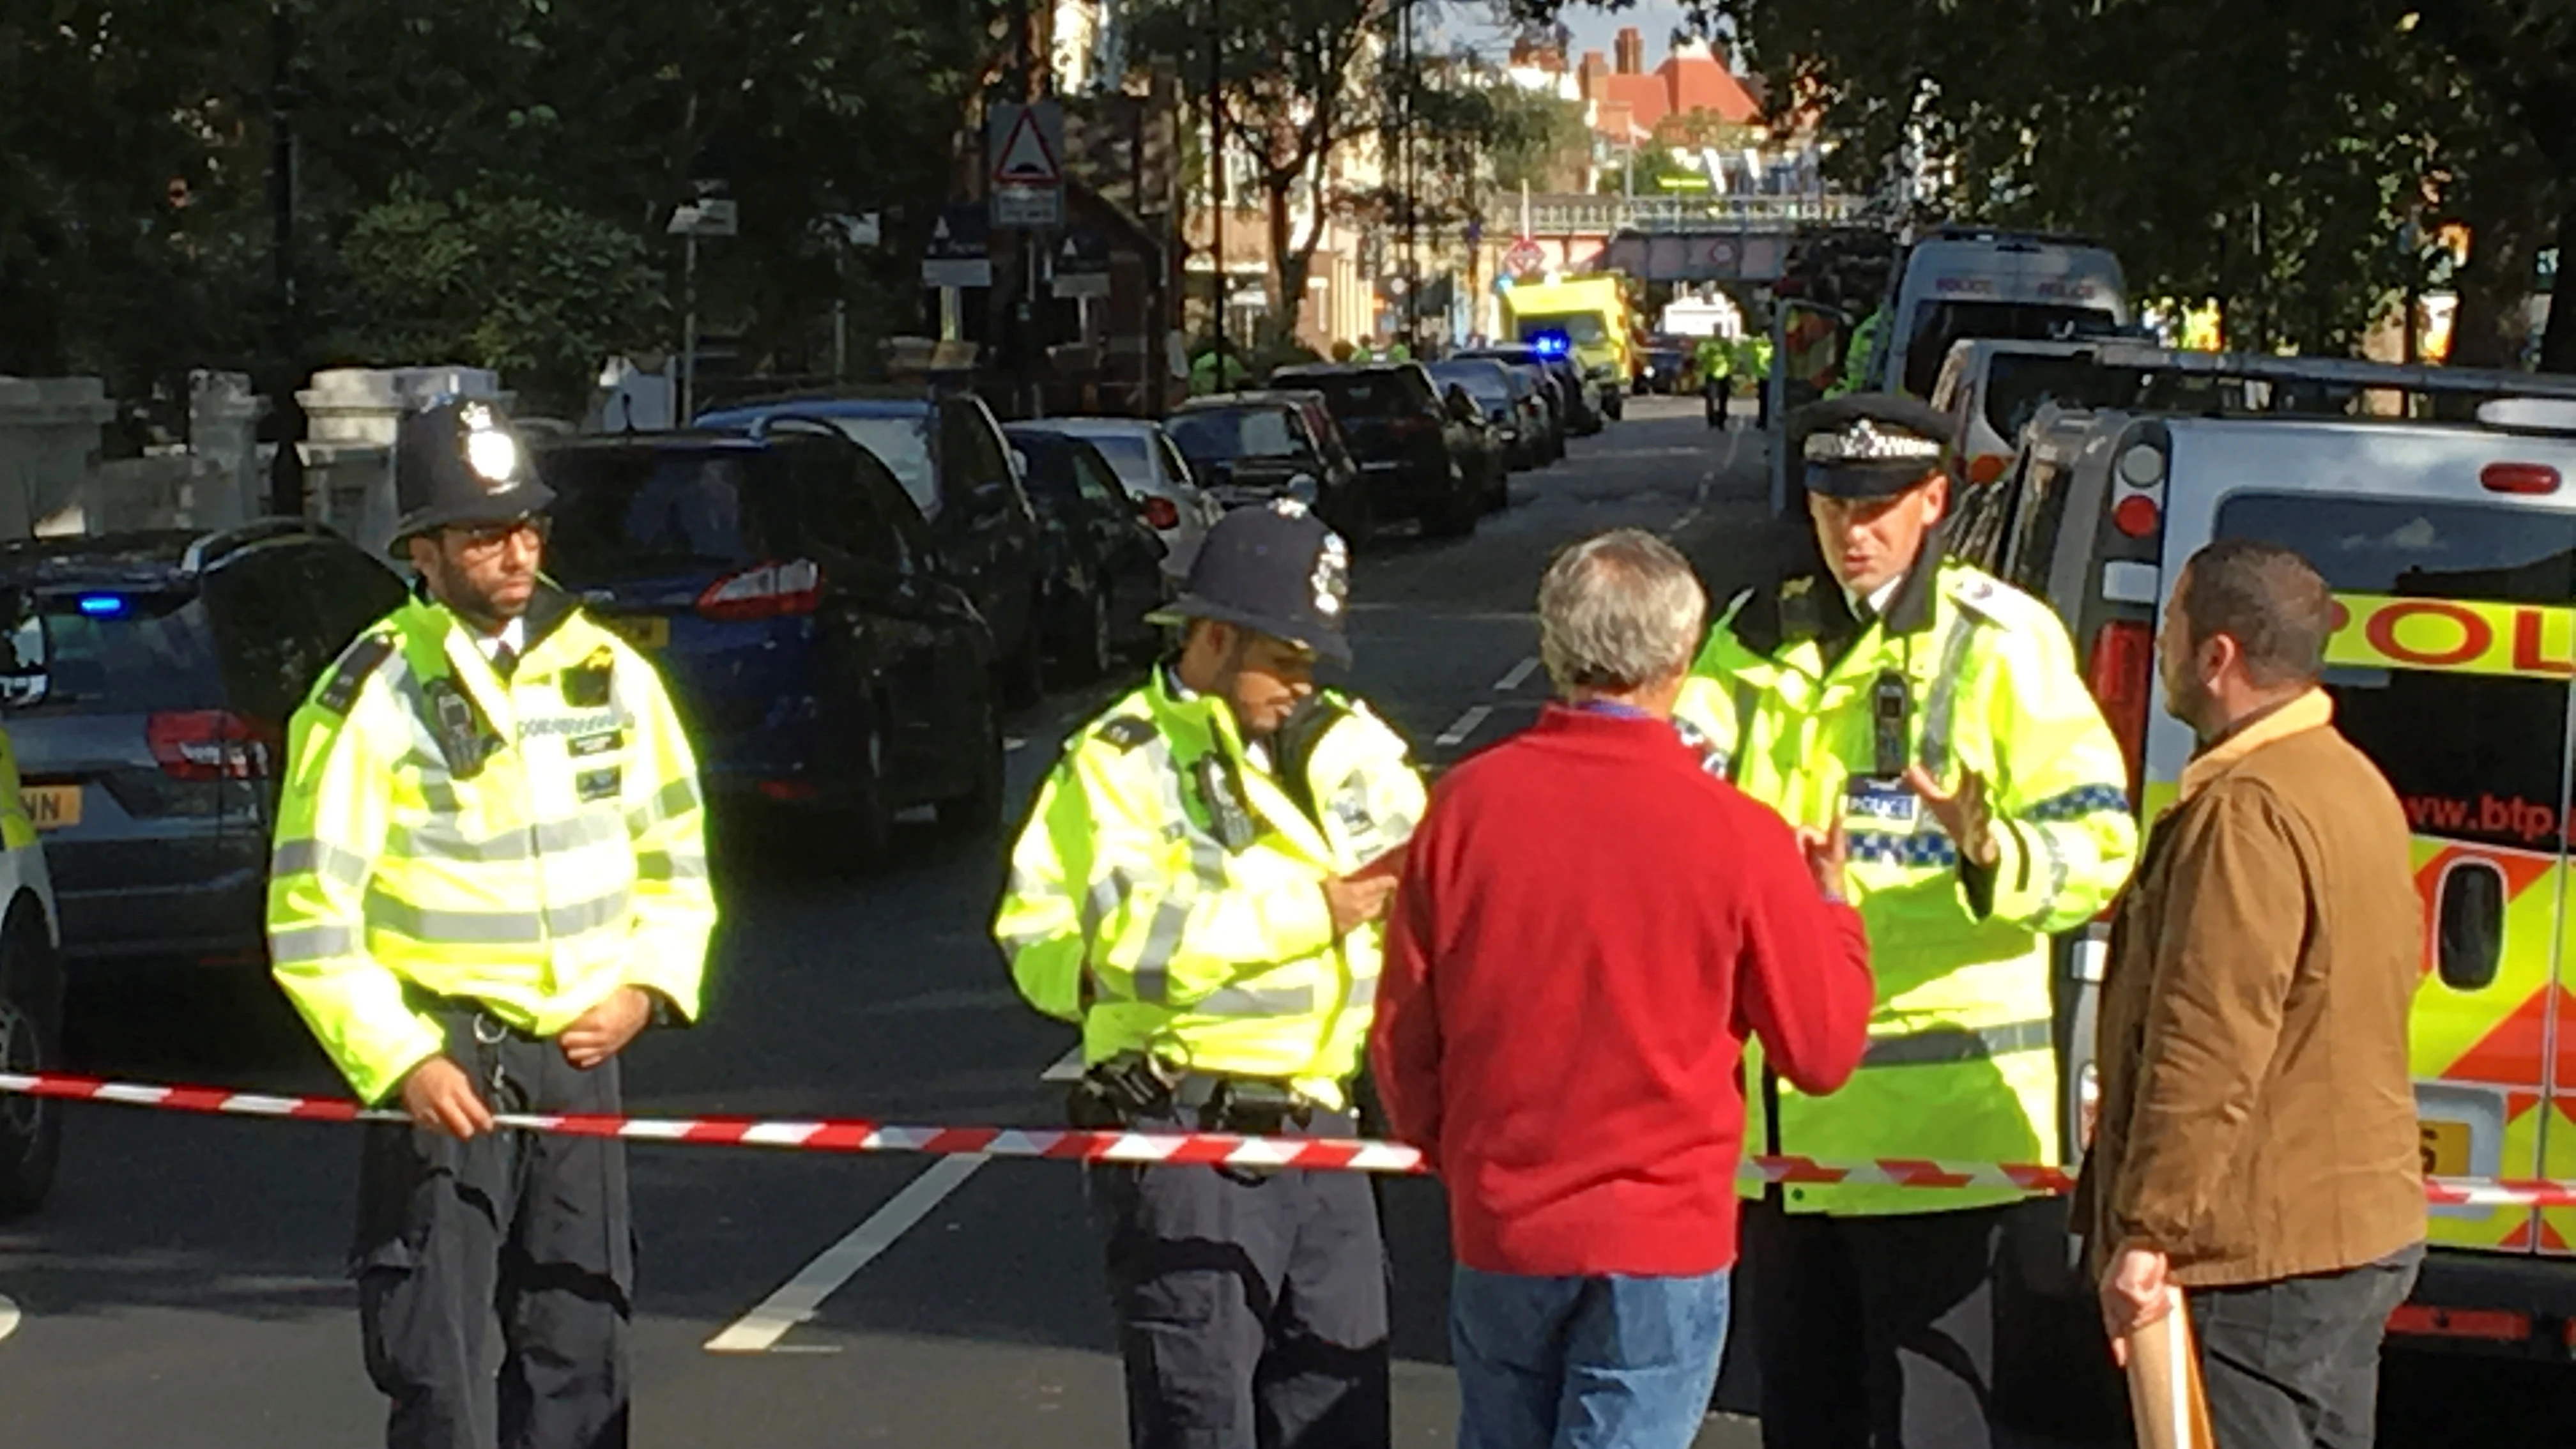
490,875
1200,886
1938,715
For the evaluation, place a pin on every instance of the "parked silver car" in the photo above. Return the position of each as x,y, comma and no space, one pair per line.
1178,510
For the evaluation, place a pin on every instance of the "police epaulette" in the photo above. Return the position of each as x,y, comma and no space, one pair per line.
1127,731
362,659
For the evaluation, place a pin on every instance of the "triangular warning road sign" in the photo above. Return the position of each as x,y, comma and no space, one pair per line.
1025,159
939,230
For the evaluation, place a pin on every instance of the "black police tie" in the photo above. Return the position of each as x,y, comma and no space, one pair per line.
505,662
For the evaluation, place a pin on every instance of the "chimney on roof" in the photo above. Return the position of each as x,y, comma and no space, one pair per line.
1588,79
1632,51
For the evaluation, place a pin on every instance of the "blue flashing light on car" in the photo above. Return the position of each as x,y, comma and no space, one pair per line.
103,606
1549,344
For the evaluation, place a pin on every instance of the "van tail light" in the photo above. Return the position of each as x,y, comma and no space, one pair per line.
2121,673
2519,478
210,744
1159,512
764,591
2137,516
1987,467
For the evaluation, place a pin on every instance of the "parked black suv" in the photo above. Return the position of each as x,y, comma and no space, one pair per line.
1105,563
1420,459
824,653
152,680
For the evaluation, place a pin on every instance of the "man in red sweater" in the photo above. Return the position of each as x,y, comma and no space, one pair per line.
1589,926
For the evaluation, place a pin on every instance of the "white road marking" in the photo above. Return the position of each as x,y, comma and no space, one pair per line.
1012,743
1466,724
1519,676
9,1318
797,1299
1067,1068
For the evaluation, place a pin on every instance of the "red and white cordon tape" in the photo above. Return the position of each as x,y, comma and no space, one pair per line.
1171,1149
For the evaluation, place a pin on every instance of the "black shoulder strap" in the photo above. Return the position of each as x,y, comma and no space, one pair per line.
359,661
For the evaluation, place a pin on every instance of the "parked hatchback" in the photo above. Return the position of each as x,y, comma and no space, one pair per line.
152,681
1175,504
1419,458
1107,564
948,454
828,661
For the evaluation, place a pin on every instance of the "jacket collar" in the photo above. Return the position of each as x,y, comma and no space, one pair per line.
549,608
1808,605
2310,711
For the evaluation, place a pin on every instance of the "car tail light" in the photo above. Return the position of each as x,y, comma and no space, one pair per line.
1987,467
2137,516
2519,478
210,744
1159,512
2121,673
764,591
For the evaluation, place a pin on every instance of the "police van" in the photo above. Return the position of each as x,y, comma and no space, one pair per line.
31,991
1965,282
2451,547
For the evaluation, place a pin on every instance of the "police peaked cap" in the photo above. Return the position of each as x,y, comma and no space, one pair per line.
1870,445
1275,570
458,462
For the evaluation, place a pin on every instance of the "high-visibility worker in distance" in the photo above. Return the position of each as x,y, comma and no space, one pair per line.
490,876
1716,377
1201,886
1938,715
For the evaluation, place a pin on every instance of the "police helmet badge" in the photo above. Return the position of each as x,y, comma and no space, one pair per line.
489,449
1332,578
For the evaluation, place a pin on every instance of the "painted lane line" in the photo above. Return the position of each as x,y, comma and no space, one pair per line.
1066,1068
1519,676
797,1299
9,1317
1466,724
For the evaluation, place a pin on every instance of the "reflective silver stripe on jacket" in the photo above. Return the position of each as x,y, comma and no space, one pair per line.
1944,701
1153,968
674,799
1251,1001
308,944
1950,1045
496,928
664,865
439,839
318,857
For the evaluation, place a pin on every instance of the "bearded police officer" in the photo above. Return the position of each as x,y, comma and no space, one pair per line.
1938,716
490,875
1199,886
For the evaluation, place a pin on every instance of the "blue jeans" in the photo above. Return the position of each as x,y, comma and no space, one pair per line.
1584,1363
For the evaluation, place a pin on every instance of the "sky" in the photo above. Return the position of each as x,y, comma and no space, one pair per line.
1594,28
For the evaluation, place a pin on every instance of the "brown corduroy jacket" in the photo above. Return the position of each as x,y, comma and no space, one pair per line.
2257,1117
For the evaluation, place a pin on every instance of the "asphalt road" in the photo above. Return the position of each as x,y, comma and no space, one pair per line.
184,1286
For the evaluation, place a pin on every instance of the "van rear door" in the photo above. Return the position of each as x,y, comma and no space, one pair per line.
2452,669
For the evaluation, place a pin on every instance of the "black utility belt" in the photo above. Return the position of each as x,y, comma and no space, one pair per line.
1132,1087
489,1026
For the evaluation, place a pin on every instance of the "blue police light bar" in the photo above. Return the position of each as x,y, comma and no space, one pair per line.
103,606
1549,344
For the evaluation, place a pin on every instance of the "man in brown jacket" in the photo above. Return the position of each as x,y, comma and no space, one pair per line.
2257,1145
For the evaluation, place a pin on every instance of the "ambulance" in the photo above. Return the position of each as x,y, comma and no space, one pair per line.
1586,318
2451,548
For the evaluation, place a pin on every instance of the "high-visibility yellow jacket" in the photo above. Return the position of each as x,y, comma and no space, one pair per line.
1856,358
1128,912
559,856
1961,1064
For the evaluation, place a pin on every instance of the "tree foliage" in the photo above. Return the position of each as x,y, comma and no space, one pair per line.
2273,157
537,145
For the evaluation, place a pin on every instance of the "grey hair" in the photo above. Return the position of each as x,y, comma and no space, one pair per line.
1619,611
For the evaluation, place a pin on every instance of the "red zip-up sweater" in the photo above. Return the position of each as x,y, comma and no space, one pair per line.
1588,927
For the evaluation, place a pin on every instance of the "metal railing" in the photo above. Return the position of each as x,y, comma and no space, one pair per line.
1578,215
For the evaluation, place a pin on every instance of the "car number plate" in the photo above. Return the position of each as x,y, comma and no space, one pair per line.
52,807
644,631
2446,1148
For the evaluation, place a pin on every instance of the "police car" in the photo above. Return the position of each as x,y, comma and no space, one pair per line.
2451,547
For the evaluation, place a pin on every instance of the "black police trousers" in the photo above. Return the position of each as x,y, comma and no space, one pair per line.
528,1231
1251,1309
1874,1332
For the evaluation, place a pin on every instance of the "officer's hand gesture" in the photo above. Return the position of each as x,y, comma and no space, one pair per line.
441,1098
1357,900
604,1030
1962,812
